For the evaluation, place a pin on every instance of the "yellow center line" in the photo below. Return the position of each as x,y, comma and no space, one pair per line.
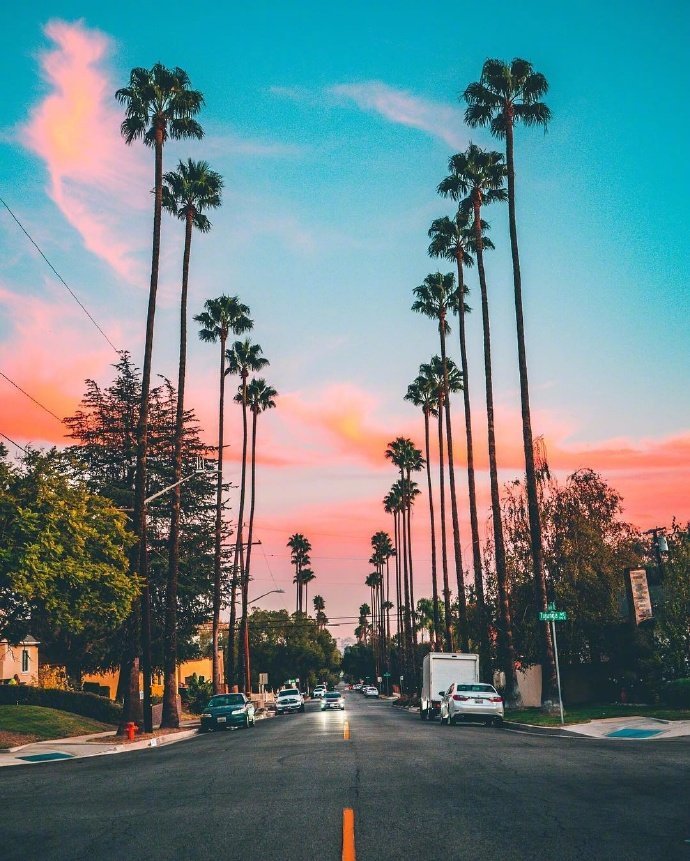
346,731
348,834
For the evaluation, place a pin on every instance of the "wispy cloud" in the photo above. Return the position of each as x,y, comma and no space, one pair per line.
74,129
402,107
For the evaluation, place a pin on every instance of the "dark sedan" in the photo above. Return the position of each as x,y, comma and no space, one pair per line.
226,710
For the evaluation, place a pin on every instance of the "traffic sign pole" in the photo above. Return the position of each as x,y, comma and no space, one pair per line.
558,671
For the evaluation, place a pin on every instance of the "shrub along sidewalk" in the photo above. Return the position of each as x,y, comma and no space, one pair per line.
25,724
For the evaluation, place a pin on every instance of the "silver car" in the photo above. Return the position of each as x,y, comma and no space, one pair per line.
472,702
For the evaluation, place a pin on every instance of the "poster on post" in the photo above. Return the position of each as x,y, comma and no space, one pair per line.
639,591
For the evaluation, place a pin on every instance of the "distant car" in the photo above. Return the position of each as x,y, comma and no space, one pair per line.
332,700
371,691
319,691
472,702
226,710
357,687
289,700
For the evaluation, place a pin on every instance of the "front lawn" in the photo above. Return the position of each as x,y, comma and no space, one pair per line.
582,714
24,724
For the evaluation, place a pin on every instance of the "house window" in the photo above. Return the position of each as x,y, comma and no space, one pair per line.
25,661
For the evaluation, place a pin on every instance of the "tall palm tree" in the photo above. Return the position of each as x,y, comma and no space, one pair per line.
243,358
479,175
159,104
422,394
320,610
220,317
187,192
260,397
383,550
509,93
300,547
453,239
435,297
392,504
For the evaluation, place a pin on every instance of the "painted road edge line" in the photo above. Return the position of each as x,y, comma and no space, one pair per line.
348,834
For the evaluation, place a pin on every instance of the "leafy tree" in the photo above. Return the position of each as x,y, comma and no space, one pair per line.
63,563
288,647
220,317
477,175
358,662
159,104
103,428
506,94
187,192
672,628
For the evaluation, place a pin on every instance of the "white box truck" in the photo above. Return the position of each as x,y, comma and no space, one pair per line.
439,671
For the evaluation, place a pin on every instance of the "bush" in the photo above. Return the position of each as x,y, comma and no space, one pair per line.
198,694
677,693
86,705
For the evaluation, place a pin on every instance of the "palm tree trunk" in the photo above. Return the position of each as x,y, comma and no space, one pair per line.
171,716
549,683
448,644
245,584
141,622
484,656
398,588
239,551
413,661
406,588
457,550
505,627
217,552
432,519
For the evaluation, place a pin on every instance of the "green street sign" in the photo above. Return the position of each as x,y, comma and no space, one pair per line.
386,675
553,616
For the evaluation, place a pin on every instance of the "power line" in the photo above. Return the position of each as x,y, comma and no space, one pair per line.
57,275
13,442
30,397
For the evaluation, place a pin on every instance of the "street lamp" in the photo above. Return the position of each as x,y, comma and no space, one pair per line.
272,592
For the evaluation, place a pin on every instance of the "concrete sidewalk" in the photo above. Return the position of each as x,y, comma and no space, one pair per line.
82,746
633,728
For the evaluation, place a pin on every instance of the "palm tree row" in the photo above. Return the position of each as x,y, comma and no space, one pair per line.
506,93
160,105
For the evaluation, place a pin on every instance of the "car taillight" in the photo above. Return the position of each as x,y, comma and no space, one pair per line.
495,699
460,698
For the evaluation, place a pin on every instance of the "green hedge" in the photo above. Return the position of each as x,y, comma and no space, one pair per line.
677,693
87,705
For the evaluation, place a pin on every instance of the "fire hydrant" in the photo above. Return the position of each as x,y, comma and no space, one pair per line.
131,729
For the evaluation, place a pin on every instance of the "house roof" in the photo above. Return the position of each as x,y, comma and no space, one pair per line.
29,640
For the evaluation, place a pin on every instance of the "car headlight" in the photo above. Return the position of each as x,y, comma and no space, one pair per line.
206,714
237,711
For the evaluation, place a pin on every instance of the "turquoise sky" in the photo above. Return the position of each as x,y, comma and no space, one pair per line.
332,127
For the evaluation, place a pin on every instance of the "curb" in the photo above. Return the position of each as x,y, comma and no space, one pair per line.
532,729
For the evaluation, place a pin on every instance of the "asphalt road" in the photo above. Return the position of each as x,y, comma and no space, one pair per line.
418,791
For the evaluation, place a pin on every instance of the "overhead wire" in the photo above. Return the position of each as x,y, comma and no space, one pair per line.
57,275
31,397
9,439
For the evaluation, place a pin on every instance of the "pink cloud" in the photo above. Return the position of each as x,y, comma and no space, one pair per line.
74,129
404,108
33,357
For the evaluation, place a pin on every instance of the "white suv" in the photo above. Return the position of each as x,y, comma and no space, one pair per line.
289,700
319,691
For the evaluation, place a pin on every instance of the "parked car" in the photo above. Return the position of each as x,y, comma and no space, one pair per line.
439,670
318,691
357,686
332,700
472,702
226,710
289,700
371,691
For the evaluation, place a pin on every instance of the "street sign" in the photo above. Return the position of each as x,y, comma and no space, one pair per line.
553,616
386,675
263,678
379,679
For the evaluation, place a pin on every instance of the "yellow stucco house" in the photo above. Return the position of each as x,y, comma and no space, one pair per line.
19,659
